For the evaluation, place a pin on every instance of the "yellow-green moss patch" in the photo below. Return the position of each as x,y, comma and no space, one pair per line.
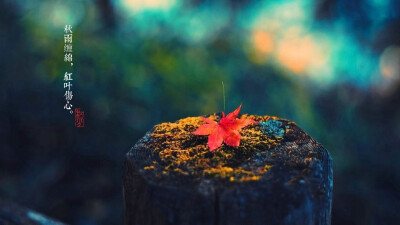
182,152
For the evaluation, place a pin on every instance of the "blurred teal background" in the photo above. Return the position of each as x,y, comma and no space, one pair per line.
332,66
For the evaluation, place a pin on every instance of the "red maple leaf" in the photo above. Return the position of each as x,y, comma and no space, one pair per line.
227,130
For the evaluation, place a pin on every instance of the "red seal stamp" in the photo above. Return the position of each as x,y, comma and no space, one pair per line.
79,118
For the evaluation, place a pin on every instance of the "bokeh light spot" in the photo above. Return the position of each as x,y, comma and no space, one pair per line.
389,62
262,42
300,54
141,5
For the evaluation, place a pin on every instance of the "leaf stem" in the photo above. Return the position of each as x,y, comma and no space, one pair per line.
223,93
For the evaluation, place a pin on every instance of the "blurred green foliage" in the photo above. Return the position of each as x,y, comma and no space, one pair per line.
136,67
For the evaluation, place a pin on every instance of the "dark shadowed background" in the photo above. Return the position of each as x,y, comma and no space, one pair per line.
332,66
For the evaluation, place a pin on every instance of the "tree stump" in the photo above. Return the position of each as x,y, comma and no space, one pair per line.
278,175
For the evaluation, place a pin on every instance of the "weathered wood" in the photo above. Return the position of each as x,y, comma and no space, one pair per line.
296,189
13,214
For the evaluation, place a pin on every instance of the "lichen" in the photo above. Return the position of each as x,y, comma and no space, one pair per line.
273,127
184,153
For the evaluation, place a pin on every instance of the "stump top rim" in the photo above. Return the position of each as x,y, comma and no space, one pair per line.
168,150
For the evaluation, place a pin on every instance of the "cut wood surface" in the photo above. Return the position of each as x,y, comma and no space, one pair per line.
278,175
